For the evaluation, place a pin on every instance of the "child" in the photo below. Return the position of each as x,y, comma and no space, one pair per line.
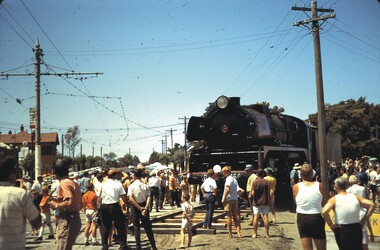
187,215
45,213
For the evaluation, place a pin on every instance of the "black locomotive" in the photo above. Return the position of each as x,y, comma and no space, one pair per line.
232,134
235,135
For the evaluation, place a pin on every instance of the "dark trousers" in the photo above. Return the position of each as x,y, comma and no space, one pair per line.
154,194
112,213
210,206
174,196
136,217
162,196
349,236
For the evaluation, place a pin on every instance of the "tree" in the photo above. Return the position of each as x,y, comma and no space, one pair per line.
110,159
177,155
80,162
357,122
28,164
72,139
154,157
128,160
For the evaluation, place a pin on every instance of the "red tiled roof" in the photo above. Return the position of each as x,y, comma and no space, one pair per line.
25,136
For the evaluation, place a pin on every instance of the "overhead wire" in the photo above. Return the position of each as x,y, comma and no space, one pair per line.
357,38
165,51
47,36
14,19
14,29
255,36
251,74
274,63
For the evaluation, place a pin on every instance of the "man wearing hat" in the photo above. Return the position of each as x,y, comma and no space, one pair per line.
111,191
15,206
68,203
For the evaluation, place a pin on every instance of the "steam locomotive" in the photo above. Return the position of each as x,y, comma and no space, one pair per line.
235,135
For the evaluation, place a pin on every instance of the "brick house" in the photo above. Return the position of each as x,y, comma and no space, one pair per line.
24,141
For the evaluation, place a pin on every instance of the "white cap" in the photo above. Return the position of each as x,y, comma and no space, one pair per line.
217,169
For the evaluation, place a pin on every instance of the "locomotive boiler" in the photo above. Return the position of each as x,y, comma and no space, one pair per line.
233,134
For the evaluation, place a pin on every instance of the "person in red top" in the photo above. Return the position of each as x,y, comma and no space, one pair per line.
69,203
45,214
89,201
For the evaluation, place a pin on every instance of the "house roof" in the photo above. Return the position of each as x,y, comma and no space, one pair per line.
25,136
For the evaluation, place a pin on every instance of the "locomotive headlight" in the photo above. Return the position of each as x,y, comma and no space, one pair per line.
222,102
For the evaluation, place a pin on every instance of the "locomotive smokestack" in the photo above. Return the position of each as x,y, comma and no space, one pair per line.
235,100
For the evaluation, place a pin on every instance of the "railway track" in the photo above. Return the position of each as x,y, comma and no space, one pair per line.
170,221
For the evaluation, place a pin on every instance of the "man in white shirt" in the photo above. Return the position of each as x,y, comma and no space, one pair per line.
139,197
154,184
37,185
230,201
373,182
111,191
209,189
15,207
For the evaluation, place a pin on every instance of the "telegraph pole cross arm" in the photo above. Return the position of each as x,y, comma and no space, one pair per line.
37,74
314,20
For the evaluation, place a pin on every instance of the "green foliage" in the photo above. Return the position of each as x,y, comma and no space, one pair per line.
357,122
154,157
164,159
80,162
110,159
128,160
28,163
72,139
177,155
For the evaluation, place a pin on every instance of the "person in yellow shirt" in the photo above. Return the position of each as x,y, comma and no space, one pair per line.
272,180
251,177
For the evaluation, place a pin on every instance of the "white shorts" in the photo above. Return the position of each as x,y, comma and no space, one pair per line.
186,224
46,217
90,213
260,209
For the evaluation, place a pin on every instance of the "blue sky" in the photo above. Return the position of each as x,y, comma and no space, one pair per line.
163,60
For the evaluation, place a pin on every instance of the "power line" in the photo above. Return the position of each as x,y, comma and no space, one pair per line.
357,38
46,34
14,29
18,24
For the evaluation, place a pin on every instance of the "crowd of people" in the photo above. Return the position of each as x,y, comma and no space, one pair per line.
112,200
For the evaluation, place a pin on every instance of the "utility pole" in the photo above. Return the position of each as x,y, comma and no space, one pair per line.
37,74
171,135
319,82
185,141
166,144
63,146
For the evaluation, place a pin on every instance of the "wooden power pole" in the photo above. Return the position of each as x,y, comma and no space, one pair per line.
37,74
314,20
